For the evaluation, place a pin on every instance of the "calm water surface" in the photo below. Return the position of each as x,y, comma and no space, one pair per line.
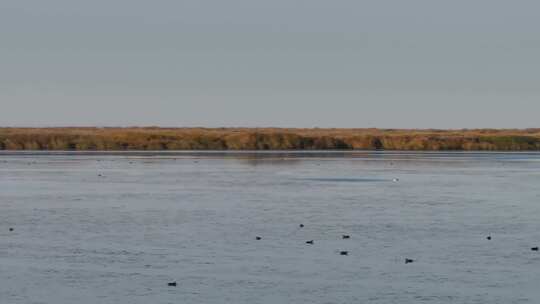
116,228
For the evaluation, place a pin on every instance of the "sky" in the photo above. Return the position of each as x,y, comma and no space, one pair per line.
281,63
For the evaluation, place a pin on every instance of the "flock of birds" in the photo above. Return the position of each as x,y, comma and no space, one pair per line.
341,252
346,253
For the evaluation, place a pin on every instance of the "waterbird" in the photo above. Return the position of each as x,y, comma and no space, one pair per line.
395,180
310,242
345,237
11,229
534,249
489,238
172,284
301,225
408,261
344,253
258,238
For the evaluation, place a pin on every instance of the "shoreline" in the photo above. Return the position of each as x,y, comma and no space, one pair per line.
266,139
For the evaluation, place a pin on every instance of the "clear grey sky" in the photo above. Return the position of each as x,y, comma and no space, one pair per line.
285,63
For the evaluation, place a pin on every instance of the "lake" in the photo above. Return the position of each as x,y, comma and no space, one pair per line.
118,227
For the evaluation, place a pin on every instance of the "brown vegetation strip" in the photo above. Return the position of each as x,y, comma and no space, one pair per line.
265,139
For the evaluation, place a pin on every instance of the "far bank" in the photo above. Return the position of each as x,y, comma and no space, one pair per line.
151,138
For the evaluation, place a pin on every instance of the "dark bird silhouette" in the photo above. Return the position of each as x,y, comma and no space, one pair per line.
11,229
534,249
310,242
346,237
172,284
258,238
489,238
408,261
301,225
344,253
